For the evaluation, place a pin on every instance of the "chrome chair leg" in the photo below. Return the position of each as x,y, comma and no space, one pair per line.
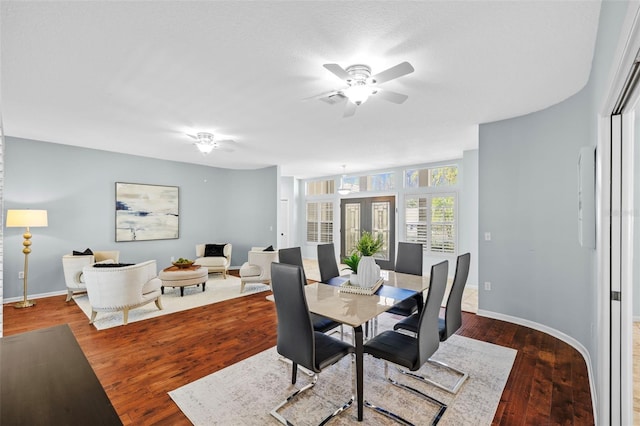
454,389
341,331
388,413
339,410
442,407
347,404
277,415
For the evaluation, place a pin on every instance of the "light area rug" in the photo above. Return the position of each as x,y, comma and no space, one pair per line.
216,290
245,393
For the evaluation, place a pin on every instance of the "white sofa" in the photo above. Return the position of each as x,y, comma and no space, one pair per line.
214,263
258,267
122,288
72,268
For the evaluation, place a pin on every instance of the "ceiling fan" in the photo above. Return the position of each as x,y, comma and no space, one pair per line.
206,142
361,85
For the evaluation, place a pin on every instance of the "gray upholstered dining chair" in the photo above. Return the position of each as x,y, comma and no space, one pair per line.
413,352
408,261
293,256
297,340
327,262
451,321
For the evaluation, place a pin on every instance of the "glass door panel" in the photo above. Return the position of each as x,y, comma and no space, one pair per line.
351,227
380,226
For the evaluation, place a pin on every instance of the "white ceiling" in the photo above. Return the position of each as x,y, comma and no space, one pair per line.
136,77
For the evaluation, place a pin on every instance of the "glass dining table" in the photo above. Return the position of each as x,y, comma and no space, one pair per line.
356,310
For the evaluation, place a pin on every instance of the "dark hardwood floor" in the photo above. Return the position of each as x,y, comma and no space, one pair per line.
139,363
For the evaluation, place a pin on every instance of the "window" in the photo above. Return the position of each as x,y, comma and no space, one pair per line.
430,219
434,177
320,187
320,222
377,182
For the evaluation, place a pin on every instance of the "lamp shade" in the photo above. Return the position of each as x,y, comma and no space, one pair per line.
26,218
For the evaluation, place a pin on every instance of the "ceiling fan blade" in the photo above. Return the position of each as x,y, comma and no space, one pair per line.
339,71
394,72
227,145
322,95
349,109
396,98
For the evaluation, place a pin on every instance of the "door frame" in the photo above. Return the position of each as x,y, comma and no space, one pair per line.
390,263
613,402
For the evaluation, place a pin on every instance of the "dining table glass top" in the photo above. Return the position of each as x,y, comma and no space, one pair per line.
356,309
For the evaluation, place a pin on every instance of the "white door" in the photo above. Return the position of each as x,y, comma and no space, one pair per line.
283,226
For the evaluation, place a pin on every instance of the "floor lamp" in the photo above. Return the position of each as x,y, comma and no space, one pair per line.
26,219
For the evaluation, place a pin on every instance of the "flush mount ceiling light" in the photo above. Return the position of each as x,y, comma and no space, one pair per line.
342,190
206,142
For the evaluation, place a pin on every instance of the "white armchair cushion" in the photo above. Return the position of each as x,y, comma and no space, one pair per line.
101,256
249,270
258,267
151,286
214,263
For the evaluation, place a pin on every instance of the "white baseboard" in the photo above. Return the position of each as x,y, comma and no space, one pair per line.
557,334
34,296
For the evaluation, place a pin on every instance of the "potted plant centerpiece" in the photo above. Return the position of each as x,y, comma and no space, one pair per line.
352,264
368,270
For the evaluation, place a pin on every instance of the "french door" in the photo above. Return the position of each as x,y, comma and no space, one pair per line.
374,214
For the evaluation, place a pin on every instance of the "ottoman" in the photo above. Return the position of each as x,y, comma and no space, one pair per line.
182,277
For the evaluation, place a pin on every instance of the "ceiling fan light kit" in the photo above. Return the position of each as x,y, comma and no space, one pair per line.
361,85
206,142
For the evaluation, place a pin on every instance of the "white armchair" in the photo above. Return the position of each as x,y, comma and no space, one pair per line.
258,267
122,288
72,268
214,263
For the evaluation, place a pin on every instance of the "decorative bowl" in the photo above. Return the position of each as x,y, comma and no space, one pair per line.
183,264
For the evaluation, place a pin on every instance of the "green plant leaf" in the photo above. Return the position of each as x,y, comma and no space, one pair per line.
369,246
352,262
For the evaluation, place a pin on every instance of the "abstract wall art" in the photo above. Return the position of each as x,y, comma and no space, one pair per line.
146,212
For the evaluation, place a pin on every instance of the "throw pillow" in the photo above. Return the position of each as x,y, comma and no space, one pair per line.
214,250
111,265
87,252
270,248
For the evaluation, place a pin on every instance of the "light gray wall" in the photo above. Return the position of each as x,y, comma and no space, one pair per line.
468,214
528,201
77,187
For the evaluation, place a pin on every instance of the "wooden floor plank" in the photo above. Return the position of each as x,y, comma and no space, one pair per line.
139,363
